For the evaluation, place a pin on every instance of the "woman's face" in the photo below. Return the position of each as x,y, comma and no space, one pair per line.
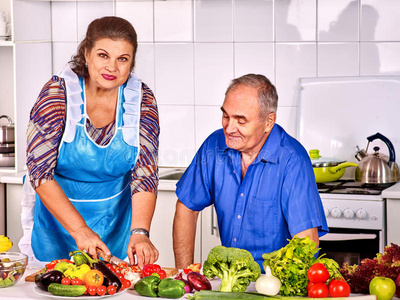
109,63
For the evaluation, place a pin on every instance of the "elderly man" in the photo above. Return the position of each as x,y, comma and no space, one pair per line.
258,177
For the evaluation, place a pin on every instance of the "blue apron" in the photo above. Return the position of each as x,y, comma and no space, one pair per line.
96,179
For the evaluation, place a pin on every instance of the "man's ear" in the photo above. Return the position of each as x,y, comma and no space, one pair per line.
270,121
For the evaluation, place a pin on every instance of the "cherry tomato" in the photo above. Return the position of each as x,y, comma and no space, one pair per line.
126,283
76,281
66,281
339,288
101,290
120,276
318,273
86,292
111,290
92,290
94,278
318,290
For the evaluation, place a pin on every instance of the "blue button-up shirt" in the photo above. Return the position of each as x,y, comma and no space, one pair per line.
277,198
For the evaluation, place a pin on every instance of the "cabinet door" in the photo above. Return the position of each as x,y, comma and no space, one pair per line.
161,229
209,231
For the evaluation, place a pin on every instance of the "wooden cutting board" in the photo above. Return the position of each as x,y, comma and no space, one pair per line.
171,272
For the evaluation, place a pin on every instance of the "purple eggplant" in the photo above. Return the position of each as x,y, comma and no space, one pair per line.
198,282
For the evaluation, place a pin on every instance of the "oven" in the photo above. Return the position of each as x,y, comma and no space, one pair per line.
355,213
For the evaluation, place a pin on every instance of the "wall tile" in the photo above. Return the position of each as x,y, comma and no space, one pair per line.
62,54
177,142
380,59
140,14
173,21
253,20
287,118
338,20
208,119
213,72
293,61
174,73
380,20
144,65
338,59
88,11
295,20
213,21
64,22
261,60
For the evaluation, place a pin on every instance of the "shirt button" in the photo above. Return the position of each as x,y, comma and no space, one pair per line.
241,194
238,216
234,172
234,239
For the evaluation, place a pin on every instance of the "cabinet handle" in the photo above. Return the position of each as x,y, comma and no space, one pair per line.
213,227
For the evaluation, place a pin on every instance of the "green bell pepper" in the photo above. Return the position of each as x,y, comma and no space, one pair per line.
171,288
147,286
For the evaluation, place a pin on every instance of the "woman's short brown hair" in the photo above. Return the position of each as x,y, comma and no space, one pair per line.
114,28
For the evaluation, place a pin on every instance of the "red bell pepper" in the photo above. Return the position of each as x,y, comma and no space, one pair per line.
150,269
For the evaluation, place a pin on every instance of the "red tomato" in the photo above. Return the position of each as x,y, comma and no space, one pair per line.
126,283
92,290
318,290
339,288
101,290
66,281
162,274
318,273
310,284
86,292
76,281
120,276
111,290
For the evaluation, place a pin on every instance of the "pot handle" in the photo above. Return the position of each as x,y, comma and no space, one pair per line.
337,168
8,118
392,155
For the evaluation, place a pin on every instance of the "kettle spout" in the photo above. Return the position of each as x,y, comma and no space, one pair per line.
360,154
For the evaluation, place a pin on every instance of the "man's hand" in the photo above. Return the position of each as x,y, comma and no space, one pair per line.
141,246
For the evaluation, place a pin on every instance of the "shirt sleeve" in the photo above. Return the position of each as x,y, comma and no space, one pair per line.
301,202
45,130
145,174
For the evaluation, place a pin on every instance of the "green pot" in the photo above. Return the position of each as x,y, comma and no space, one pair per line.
328,169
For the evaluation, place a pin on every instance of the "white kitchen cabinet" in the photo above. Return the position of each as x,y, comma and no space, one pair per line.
13,212
209,231
393,221
26,65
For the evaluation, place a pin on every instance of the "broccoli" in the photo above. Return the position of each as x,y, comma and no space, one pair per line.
235,267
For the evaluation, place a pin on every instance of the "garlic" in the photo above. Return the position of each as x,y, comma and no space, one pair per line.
268,284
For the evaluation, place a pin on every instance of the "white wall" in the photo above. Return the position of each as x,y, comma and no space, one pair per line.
189,50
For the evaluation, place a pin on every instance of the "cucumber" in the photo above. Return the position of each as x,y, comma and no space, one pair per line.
59,289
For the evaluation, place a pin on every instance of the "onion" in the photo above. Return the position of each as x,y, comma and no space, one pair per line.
188,286
397,282
268,284
198,282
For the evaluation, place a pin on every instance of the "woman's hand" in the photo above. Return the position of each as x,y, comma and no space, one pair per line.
88,240
144,249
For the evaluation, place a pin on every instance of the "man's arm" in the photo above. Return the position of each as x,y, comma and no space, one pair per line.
312,233
184,231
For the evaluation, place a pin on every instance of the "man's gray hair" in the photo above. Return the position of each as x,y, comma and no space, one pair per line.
267,95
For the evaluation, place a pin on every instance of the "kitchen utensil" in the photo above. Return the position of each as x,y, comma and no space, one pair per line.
111,258
327,169
377,168
7,131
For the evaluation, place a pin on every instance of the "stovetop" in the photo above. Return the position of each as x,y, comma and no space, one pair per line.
351,187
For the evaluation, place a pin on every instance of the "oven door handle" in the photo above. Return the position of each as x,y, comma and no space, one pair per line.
348,237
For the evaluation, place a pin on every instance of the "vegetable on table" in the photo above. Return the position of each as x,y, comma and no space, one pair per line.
149,269
216,295
59,289
188,286
147,286
171,288
318,273
94,278
43,281
192,268
339,288
235,267
318,290
268,284
110,278
198,281
385,264
292,262
79,259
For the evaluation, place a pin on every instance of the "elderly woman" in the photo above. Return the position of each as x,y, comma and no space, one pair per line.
92,152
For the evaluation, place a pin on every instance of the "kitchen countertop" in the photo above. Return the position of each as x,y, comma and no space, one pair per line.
393,192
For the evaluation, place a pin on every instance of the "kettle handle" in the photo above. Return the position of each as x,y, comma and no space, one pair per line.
392,155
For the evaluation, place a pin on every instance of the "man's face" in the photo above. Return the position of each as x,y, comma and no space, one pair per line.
243,128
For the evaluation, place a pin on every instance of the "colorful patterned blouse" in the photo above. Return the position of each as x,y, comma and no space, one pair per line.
46,127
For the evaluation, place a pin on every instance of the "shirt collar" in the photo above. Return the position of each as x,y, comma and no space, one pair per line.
269,151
